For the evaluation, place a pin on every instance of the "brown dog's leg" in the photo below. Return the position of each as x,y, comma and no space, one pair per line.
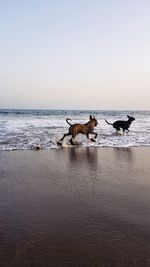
92,139
72,139
88,136
60,141
95,135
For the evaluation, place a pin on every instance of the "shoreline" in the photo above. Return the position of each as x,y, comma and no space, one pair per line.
81,206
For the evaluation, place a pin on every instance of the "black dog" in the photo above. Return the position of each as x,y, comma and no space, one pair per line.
74,129
122,124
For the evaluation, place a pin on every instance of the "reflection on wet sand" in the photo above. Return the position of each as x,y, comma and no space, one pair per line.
75,207
88,155
126,153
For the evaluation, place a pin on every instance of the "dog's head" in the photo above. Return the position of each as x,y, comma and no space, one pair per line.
93,122
131,118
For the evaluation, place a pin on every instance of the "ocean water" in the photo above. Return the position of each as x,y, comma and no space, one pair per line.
26,129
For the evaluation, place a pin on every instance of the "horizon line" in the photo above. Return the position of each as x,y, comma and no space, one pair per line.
74,109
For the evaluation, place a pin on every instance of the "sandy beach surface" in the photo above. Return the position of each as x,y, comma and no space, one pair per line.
75,207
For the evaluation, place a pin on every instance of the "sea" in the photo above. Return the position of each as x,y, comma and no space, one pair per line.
24,129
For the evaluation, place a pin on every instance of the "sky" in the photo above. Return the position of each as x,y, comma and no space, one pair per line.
75,54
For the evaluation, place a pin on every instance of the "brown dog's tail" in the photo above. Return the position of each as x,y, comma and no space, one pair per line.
68,119
108,122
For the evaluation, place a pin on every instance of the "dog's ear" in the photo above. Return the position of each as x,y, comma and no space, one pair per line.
128,116
90,117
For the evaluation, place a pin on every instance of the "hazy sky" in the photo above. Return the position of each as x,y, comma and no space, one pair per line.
75,54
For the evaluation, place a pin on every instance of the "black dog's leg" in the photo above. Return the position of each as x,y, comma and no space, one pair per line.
125,130
117,130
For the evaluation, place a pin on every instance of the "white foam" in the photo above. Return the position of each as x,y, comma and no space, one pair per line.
22,132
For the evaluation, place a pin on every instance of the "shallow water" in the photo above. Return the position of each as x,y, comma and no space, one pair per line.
75,207
25,129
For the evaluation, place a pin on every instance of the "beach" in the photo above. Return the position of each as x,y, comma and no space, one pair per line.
82,206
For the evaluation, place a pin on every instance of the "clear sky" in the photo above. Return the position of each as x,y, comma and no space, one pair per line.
75,54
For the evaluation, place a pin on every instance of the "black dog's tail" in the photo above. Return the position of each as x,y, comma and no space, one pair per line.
68,120
108,122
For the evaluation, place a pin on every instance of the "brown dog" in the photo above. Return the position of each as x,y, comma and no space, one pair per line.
87,128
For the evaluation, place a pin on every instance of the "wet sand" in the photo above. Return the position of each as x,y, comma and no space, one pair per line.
75,207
